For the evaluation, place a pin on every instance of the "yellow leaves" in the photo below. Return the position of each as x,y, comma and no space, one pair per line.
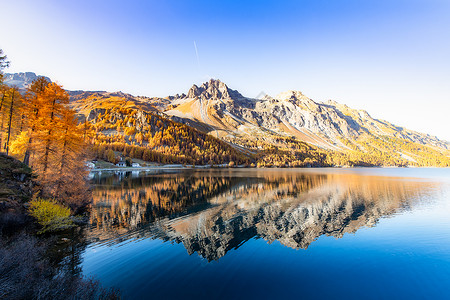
54,99
110,156
53,142
139,137
11,116
129,130
51,215
170,142
19,145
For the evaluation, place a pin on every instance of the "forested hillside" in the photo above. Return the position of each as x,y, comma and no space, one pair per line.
131,127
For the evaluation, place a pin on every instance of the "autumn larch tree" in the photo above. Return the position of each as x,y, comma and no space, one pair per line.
54,101
33,107
14,96
54,144
9,113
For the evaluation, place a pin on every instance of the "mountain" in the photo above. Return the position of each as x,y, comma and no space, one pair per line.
134,127
289,129
118,119
21,80
352,136
230,115
91,104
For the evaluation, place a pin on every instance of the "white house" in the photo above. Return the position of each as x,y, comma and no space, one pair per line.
121,164
135,165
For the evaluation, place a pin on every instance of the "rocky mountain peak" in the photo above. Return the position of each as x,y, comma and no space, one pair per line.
297,98
214,88
290,95
263,96
22,80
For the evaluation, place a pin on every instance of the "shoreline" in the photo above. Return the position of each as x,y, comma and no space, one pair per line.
170,167
181,167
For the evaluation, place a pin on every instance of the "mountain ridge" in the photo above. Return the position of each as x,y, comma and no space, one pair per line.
286,128
288,113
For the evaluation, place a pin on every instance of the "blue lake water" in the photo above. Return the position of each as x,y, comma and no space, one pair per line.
272,234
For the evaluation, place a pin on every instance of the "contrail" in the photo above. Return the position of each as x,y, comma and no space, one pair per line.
196,53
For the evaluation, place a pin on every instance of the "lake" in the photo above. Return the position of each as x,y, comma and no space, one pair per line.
358,233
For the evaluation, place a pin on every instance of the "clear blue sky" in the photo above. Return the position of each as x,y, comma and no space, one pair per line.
390,57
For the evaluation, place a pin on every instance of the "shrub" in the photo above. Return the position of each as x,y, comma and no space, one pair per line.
51,215
26,273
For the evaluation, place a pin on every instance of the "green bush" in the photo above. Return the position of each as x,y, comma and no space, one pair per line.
51,215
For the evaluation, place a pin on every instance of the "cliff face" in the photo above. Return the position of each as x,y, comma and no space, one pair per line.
213,89
16,189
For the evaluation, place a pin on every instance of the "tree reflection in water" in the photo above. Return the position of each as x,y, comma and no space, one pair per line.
212,211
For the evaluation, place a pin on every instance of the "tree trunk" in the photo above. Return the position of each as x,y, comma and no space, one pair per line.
10,121
47,146
85,130
22,121
63,160
1,116
26,158
47,151
1,103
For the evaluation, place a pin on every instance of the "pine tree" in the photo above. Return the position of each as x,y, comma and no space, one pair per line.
4,63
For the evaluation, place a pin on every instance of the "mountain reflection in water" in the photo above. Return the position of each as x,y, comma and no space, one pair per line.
213,211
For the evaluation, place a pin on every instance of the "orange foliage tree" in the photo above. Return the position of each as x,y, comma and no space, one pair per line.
52,143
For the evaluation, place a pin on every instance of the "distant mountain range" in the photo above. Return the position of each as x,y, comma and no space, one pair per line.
252,125
21,80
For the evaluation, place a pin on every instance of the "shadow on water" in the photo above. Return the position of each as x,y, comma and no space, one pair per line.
213,211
